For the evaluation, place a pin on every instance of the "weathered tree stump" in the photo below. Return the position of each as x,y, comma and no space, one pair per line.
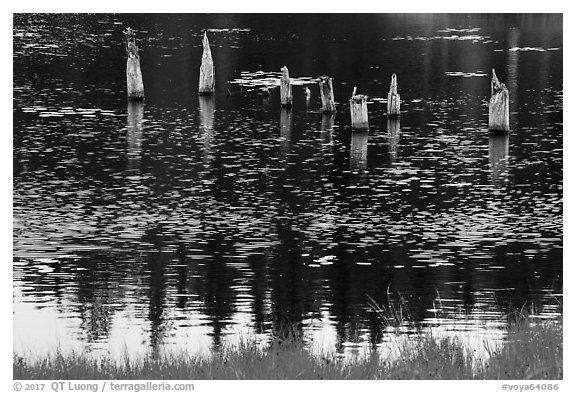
135,120
327,94
207,81
134,83
393,127
359,110
498,159
359,150
285,89
498,109
393,98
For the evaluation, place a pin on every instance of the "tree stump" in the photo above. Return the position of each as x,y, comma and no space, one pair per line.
359,111
207,81
498,109
285,89
134,83
327,94
393,98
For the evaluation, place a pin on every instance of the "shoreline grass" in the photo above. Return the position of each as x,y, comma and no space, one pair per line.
530,351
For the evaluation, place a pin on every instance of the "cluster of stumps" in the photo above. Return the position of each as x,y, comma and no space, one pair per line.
498,115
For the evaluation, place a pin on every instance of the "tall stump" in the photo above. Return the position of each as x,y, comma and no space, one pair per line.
285,89
134,83
498,109
393,98
207,81
327,94
359,111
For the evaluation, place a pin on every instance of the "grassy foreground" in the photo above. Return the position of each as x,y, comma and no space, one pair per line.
531,352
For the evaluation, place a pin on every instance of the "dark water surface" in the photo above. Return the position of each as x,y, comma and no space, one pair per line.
184,222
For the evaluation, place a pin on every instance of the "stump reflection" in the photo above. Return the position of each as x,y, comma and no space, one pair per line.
359,150
498,159
207,107
393,127
134,133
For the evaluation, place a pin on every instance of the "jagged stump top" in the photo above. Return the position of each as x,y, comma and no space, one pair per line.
496,86
131,47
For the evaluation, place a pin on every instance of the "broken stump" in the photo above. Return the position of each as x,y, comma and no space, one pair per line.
393,98
207,81
285,89
498,108
327,94
134,82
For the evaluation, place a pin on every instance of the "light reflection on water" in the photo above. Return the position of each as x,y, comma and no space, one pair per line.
187,221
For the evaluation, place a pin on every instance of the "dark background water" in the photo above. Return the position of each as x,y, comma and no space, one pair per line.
187,221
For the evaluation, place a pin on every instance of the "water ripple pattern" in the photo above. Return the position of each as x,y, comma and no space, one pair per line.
188,221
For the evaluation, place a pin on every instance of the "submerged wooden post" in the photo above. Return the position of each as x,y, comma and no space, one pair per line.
393,98
327,94
285,89
498,109
206,84
134,84
359,110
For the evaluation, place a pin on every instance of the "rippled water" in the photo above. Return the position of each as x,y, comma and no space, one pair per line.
184,222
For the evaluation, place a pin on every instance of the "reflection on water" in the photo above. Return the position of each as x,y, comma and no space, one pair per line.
359,150
393,128
135,120
207,106
512,73
326,128
285,131
498,158
207,220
